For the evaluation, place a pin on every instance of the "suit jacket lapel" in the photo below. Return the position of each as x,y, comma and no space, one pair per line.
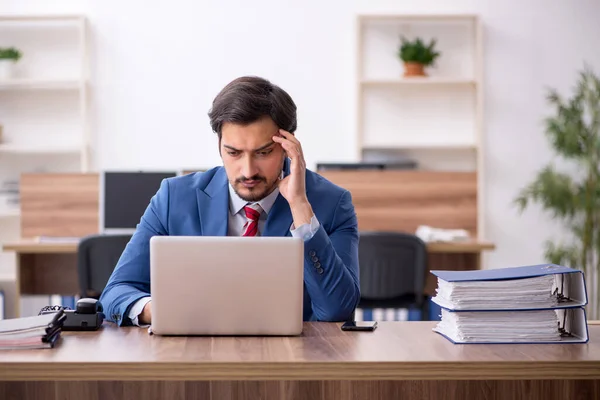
213,206
279,220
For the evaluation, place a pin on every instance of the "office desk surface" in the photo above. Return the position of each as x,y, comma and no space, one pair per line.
396,351
37,247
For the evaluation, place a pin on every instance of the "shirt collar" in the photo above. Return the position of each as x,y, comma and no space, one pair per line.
236,203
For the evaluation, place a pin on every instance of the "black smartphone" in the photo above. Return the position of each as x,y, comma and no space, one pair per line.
359,326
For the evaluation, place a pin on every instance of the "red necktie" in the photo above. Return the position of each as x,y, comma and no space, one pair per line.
252,223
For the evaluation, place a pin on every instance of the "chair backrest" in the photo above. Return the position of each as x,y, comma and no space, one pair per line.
97,257
392,265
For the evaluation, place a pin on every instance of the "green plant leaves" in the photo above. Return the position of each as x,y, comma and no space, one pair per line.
417,51
573,130
567,255
10,53
558,193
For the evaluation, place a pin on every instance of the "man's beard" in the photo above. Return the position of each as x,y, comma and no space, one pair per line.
255,194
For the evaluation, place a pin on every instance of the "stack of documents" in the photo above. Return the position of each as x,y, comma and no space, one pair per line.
41,331
532,304
497,295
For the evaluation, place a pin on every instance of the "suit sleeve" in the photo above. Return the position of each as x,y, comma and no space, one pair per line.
331,265
130,280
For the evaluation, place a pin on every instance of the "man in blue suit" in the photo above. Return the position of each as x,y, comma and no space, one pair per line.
262,189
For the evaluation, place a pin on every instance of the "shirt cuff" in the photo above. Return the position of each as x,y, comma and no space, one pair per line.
306,231
137,309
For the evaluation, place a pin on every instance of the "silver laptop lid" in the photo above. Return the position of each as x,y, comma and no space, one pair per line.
227,285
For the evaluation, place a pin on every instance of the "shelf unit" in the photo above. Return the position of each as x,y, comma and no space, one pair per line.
435,120
37,76
44,106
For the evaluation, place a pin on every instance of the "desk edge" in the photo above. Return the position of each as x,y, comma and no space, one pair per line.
181,371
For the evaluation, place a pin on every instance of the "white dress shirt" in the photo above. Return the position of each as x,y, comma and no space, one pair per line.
237,216
236,221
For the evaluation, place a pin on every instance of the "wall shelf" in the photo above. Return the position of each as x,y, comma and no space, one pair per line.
33,84
434,80
418,18
41,18
10,213
38,149
421,146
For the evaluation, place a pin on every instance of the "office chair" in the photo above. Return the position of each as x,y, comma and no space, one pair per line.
393,266
97,256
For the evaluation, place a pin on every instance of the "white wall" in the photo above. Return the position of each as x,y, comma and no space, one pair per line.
157,66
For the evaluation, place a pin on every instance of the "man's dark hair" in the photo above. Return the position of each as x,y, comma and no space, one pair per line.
248,99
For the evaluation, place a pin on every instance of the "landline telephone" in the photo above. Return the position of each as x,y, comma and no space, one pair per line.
87,316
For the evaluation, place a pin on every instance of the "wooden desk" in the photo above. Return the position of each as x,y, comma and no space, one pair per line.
36,247
51,267
324,363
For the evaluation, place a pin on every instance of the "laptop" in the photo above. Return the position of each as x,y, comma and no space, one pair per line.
205,285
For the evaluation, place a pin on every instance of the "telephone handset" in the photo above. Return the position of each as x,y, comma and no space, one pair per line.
87,316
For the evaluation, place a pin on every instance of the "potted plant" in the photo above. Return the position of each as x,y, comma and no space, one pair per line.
8,57
416,56
573,197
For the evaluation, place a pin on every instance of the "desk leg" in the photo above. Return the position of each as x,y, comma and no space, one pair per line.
477,260
313,390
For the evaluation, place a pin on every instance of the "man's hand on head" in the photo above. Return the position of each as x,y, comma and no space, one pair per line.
293,186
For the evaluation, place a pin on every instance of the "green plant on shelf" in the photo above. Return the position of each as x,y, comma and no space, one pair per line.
417,55
10,53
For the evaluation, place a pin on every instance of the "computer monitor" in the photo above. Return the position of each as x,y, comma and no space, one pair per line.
124,196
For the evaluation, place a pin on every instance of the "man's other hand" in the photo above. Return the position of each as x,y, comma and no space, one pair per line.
146,315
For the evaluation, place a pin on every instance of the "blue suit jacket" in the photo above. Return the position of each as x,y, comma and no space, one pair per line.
198,205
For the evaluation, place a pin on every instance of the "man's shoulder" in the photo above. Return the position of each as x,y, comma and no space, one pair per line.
319,185
331,203
194,180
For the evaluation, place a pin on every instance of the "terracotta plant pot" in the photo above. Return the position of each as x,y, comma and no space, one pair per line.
414,69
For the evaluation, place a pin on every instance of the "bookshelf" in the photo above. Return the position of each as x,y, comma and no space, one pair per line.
436,120
43,108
